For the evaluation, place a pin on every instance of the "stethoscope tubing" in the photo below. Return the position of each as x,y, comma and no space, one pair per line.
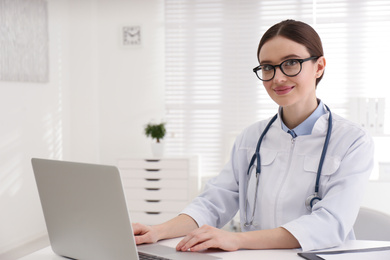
324,149
256,156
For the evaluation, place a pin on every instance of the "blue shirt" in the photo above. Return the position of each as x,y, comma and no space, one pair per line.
306,127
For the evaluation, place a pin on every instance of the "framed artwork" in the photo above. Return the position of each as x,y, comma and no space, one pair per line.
24,41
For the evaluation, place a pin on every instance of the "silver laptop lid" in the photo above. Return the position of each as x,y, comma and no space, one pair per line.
85,210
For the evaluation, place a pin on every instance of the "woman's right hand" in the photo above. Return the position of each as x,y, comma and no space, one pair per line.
178,226
144,234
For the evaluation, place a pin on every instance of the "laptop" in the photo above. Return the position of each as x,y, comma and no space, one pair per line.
87,216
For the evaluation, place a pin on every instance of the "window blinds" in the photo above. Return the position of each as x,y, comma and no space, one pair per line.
211,93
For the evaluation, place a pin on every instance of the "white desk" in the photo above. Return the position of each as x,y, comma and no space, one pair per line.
285,254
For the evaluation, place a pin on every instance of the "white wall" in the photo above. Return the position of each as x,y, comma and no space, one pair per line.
34,123
131,81
93,108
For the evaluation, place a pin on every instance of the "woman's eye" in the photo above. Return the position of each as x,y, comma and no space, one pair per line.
289,63
267,67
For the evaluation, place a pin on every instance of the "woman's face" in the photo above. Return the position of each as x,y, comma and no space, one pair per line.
289,92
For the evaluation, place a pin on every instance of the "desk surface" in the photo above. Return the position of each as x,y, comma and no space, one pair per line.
285,254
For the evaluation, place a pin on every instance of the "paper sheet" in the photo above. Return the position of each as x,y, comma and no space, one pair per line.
379,255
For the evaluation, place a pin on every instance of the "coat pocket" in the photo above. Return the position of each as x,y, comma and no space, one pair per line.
330,165
267,157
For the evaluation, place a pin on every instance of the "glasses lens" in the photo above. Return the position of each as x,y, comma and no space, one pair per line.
291,67
266,72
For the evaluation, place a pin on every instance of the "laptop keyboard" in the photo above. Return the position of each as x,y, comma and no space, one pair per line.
145,256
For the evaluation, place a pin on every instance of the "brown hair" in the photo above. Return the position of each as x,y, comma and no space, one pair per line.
296,31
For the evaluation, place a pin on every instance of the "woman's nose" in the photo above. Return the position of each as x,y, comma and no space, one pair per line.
279,75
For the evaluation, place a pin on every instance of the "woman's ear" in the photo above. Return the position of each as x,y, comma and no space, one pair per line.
321,64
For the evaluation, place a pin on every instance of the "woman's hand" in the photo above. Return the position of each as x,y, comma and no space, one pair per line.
144,234
209,237
178,226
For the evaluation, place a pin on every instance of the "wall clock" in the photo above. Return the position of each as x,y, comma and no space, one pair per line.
131,35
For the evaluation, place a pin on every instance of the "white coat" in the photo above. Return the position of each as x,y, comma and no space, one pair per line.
288,172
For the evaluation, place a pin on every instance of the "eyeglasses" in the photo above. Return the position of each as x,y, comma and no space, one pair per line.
290,68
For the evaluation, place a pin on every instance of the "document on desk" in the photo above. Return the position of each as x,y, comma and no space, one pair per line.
379,253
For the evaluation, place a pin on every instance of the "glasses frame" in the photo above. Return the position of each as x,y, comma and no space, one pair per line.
258,68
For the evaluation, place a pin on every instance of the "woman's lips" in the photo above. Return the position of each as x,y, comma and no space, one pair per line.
283,90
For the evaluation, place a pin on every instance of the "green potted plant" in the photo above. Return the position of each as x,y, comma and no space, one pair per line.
157,132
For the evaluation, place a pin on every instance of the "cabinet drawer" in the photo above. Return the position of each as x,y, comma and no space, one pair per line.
156,194
154,183
154,174
156,205
150,219
153,164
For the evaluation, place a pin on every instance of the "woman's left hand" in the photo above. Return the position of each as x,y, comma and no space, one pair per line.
209,237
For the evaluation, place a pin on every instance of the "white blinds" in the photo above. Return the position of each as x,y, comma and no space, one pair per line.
211,92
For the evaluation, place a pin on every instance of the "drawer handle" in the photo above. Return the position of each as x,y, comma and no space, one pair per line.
152,188
153,201
152,212
152,160
152,170
151,179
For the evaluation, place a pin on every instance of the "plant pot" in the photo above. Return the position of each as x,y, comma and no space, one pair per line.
158,149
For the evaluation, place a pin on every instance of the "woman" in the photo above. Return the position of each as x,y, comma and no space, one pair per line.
280,204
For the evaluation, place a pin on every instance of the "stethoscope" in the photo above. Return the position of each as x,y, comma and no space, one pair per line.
312,199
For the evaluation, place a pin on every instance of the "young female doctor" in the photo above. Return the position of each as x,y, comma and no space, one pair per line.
297,178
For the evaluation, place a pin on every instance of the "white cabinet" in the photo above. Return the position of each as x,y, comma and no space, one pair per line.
158,189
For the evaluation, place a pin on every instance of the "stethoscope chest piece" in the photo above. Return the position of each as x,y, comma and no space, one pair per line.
253,224
311,201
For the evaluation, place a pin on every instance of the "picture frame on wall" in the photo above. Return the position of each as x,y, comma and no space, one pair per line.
24,41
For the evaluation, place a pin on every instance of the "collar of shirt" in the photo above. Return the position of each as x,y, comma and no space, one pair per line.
306,127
